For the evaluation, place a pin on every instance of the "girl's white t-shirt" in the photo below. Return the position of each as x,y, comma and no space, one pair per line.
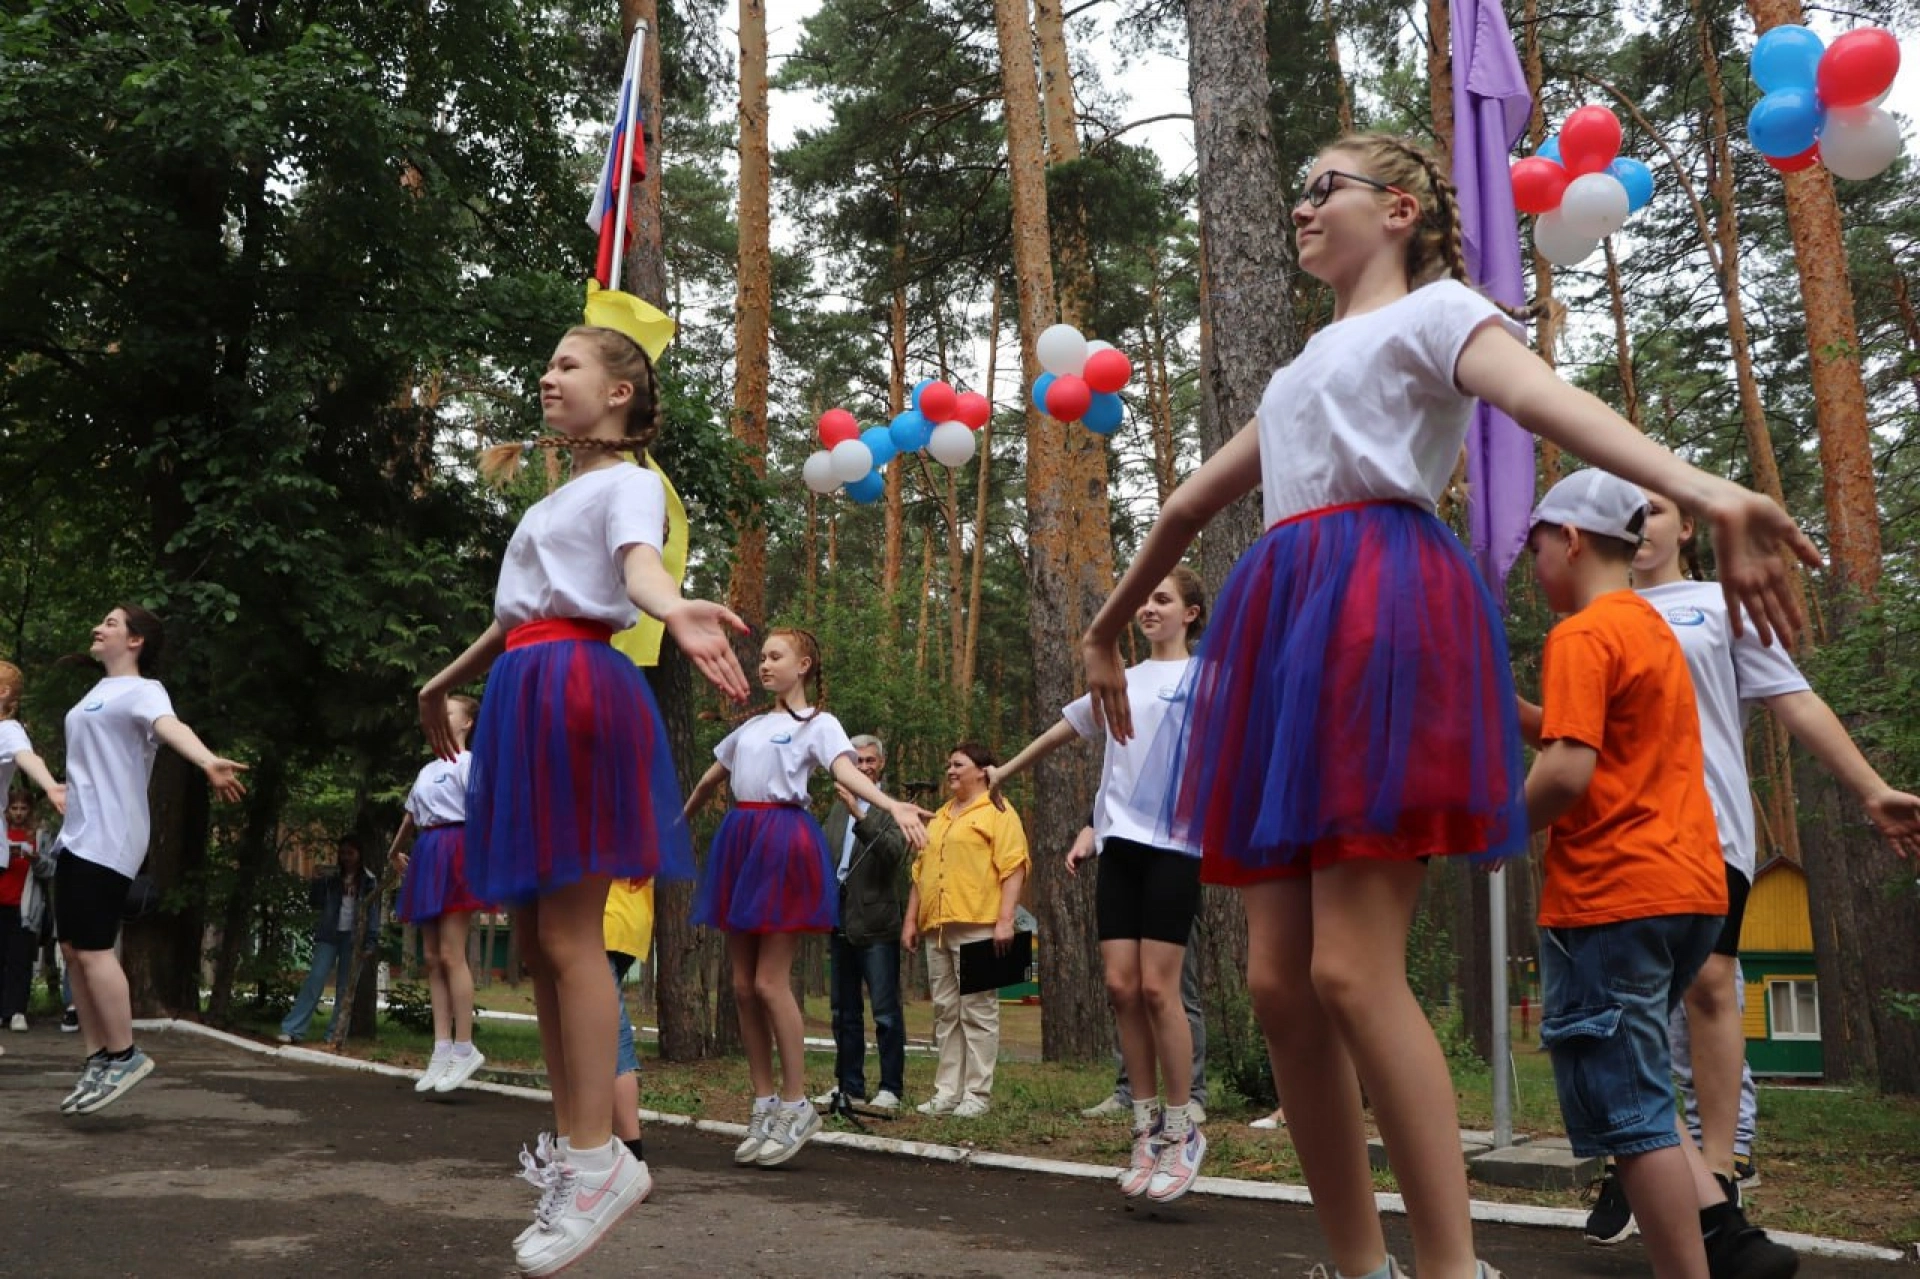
110,750
439,794
770,757
1369,411
1729,674
1153,688
565,556
13,740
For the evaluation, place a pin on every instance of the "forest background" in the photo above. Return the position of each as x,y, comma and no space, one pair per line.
270,272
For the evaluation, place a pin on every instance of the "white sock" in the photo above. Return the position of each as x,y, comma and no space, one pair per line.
464,1048
1175,1121
1384,1272
1144,1113
599,1159
441,1047
562,1148
761,1105
802,1104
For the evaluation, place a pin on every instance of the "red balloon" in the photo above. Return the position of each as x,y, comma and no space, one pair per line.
838,426
937,401
973,409
1538,184
1857,68
1068,398
1589,140
1107,371
1794,163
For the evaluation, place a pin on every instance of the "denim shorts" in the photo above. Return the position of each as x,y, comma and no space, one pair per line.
627,1061
1607,991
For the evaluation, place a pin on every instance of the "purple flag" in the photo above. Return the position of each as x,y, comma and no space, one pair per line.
1490,110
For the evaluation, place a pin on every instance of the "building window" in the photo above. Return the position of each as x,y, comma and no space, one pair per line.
1793,1008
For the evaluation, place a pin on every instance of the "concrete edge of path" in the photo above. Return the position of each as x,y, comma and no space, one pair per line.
1226,1187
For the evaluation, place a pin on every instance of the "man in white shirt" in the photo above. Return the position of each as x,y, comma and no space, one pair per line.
871,861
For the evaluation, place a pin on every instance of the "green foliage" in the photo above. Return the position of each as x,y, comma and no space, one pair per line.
1237,1053
410,1004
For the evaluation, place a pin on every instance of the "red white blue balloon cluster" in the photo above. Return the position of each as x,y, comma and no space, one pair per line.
940,420
1082,380
1822,101
1578,186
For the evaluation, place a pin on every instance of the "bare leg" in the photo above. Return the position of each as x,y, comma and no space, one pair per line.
1121,959
436,980
743,957
82,1000
1316,1076
456,975
570,941
626,1106
773,986
546,1007
1362,911
100,988
1674,1185
1160,965
1719,1054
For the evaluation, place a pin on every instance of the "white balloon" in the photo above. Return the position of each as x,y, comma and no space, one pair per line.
1062,350
818,472
1095,344
1595,205
1559,243
850,461
1859,143
952,444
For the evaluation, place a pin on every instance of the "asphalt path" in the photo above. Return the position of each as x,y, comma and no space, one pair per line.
224,1163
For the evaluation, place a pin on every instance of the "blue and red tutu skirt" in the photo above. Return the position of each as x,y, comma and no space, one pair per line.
436,880
768,871
1351,698
571,773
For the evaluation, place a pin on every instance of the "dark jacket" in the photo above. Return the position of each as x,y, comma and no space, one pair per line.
873,899
325,894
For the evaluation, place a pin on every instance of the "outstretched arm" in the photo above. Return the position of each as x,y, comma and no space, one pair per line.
1752,535
710,781
1032,753
223,773
34,767
1813,724
699,627
464,669
1231,472
908,816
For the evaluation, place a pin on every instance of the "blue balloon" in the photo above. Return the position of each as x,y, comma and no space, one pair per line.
1637,178
1104,414
1550,149
1787,58
1785,122
867,489
1040,385
879,442
910,431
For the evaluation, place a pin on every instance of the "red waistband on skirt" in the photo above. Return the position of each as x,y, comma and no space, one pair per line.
1321,511
546,630
766,803
443,825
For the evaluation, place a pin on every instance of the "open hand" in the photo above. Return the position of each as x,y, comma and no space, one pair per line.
1752,537
225,776
1896,815
702,629
1107,683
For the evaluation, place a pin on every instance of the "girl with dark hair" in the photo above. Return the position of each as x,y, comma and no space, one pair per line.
966,886
113,734
770,877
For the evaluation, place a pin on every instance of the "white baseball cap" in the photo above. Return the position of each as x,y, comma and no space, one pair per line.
1595,501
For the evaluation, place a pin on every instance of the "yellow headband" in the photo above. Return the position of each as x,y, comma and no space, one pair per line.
624,313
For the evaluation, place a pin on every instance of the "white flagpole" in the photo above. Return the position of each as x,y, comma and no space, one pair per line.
624,181
1502,1031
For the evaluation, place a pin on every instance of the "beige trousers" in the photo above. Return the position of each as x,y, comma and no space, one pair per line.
966,1028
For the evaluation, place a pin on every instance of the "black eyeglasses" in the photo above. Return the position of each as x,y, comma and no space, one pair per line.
1321,188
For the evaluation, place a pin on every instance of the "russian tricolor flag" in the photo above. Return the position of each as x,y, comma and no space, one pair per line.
626,164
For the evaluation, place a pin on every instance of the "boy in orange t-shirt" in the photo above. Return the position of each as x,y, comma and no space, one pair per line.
1633,894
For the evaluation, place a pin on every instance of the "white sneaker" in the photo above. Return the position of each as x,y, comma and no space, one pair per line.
458,1070
828,1099
1197,1113
971,1108
580,1211
19,1023
885,1099
791,1128
748,1151
1107,1109
281,1038
88,1077
1146,1158
436,1066
1177,1167
536,1169
936,1105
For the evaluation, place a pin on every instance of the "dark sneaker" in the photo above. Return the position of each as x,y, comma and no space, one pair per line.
1611,1220
1745,1175
70,1021
1739,1250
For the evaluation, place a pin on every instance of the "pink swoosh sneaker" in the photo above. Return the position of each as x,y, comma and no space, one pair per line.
569,1224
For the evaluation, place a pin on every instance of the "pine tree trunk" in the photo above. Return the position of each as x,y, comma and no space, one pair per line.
1542,269
982,492
747,587
1622,340
1440,76
897,401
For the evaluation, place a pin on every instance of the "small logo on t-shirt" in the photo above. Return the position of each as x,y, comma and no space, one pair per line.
445,778
1686,617
94,705
781,739
1169,693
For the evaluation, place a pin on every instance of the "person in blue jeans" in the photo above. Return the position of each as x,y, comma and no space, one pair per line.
339,897
870,855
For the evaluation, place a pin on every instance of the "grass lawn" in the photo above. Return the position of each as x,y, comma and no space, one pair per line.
1833,1161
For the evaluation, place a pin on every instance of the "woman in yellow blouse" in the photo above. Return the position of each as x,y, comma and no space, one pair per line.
966,884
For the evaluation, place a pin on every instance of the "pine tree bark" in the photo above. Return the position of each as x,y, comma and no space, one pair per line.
982,493
753,302
1069,571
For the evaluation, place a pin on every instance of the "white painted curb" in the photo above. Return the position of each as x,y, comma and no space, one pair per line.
1225,1187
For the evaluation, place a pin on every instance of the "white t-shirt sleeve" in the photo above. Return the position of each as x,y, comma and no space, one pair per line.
1449,313
13,740
149,705
828,740
1079,716
1763,670
727,752
637,512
